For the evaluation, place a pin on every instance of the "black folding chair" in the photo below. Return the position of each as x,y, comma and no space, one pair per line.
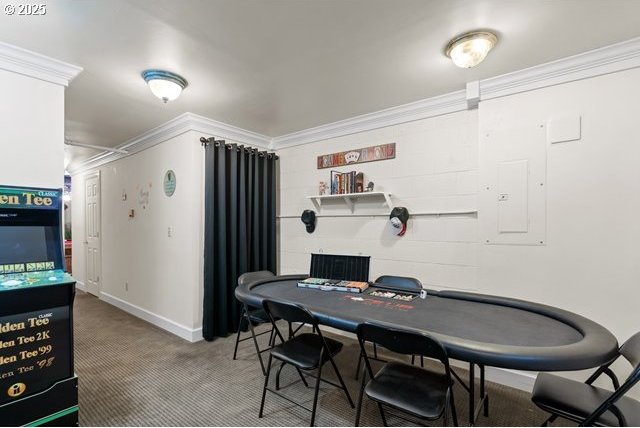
253,317
399,283
590,405
419,392
306,352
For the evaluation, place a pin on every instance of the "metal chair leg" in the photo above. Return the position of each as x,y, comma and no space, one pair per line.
255,342
452,403
235,351
359,365
360,396
344,387
472,397
413,360
384,420
315,397
302,377
446,412
271,337
264,390
278,376
304,381
483,393
297,330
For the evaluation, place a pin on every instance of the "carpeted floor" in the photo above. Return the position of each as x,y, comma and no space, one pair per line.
133,373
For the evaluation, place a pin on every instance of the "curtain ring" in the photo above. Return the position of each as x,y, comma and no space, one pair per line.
238,147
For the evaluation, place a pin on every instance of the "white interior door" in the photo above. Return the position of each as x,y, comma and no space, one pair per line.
92,233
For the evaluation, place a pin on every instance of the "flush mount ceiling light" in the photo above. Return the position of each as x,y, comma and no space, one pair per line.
470,49
164,84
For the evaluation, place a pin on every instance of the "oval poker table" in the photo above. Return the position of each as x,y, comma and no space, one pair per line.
481,329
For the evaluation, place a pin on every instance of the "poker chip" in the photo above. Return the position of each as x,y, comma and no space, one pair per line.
391,295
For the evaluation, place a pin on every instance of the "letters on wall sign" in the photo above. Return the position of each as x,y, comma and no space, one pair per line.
366,154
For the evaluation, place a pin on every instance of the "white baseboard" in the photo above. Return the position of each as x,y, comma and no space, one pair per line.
80,286
513,378
190,334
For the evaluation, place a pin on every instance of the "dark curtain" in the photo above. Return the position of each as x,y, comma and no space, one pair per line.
240,227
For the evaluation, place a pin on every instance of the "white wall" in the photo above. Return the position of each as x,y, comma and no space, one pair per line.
31,131
164,274
435,170
590,263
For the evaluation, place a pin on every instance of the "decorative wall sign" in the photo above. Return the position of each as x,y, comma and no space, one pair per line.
143,195
169,183
366,154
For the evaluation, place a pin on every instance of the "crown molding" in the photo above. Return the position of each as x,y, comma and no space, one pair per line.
226,131
171,129
148,139
609,59
430,107
27,63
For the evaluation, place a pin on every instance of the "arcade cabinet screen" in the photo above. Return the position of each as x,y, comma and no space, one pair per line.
24,244
29,236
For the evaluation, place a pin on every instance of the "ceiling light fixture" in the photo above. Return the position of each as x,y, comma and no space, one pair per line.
164,84
470,49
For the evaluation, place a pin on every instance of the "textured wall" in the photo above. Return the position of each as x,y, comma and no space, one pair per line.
435,170
590,263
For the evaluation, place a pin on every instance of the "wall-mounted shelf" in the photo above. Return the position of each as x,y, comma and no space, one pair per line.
350,198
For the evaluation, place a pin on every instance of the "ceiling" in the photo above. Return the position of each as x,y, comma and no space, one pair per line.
279,66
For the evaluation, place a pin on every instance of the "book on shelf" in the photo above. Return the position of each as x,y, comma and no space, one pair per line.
334,285
334,182
346,182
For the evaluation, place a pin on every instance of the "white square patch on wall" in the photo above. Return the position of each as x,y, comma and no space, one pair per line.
563,128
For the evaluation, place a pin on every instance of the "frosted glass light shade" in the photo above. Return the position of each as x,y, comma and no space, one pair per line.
163,84
166,90
471,49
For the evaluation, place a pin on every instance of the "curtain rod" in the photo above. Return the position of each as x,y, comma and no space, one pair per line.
230,146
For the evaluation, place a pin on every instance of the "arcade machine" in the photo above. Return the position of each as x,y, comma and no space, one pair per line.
38,386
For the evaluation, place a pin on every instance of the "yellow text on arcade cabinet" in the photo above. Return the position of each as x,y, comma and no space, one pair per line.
27,199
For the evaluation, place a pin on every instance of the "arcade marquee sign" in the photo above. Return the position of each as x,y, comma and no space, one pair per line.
16,197
34,351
